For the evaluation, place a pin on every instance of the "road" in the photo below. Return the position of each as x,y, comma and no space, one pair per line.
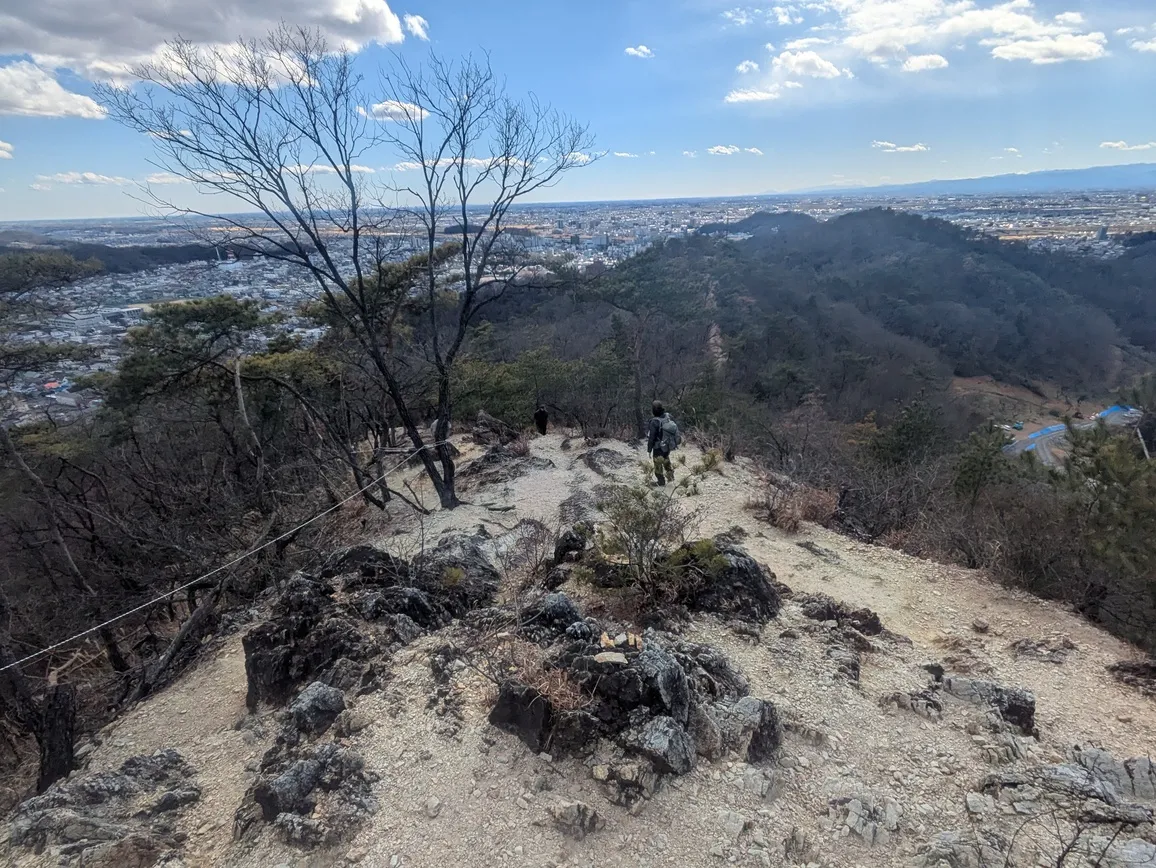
1047,442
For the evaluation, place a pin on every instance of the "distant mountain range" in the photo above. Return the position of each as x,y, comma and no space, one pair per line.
1135,176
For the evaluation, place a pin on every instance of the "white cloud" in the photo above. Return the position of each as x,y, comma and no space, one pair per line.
924,62
806,64
754,151
723,150
892,148
417,26
471,162
639,51
392,110
1149,46
6,151
1124,146
40,188
690,153
889,31
794,84
747,66
770,46
804,43
785,16
98,39
1054,49
625,155
86,178
26,89
326,169
753,95
165,178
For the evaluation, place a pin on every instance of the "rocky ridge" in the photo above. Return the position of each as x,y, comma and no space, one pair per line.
755,725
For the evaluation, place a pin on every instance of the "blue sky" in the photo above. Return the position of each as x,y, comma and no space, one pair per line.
686,97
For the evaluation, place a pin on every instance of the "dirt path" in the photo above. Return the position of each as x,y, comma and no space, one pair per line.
491,792
932,604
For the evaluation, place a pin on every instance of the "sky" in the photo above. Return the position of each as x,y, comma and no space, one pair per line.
684,97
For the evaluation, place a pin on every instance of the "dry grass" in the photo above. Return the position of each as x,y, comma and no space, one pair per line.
816,505
520,447
712,460
787,507
527,662
777,508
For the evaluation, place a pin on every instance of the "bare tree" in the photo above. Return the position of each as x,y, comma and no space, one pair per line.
473,152
284,127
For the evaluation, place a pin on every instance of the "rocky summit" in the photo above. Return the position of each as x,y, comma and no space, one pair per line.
505,684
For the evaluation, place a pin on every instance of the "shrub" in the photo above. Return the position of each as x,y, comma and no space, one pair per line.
779,508
816,505
642,524
691,566
712,459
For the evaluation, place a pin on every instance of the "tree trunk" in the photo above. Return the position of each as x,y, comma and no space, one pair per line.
446,491
192,631
56,735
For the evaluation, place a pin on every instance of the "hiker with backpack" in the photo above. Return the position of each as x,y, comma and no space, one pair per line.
662,438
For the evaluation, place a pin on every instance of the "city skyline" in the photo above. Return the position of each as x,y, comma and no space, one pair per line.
693,98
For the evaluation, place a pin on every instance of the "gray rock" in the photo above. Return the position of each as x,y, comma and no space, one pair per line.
432,807
704,727
576,819
549,616
316,707
1131,779
1124,854
733,825
764,783
925,703
616,657
570,546
976,803
115,818
1014,704
799,848
666,744
327,776
955,850
872,819
627,783
760,732
664,675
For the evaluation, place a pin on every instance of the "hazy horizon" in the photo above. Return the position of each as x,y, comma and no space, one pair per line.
687,99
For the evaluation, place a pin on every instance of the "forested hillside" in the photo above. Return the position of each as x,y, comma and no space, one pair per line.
823,351
125,260
867,310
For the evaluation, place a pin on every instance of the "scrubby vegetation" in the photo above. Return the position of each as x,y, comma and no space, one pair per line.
822,351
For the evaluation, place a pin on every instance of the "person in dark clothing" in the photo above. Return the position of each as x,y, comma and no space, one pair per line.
662,438
541,417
